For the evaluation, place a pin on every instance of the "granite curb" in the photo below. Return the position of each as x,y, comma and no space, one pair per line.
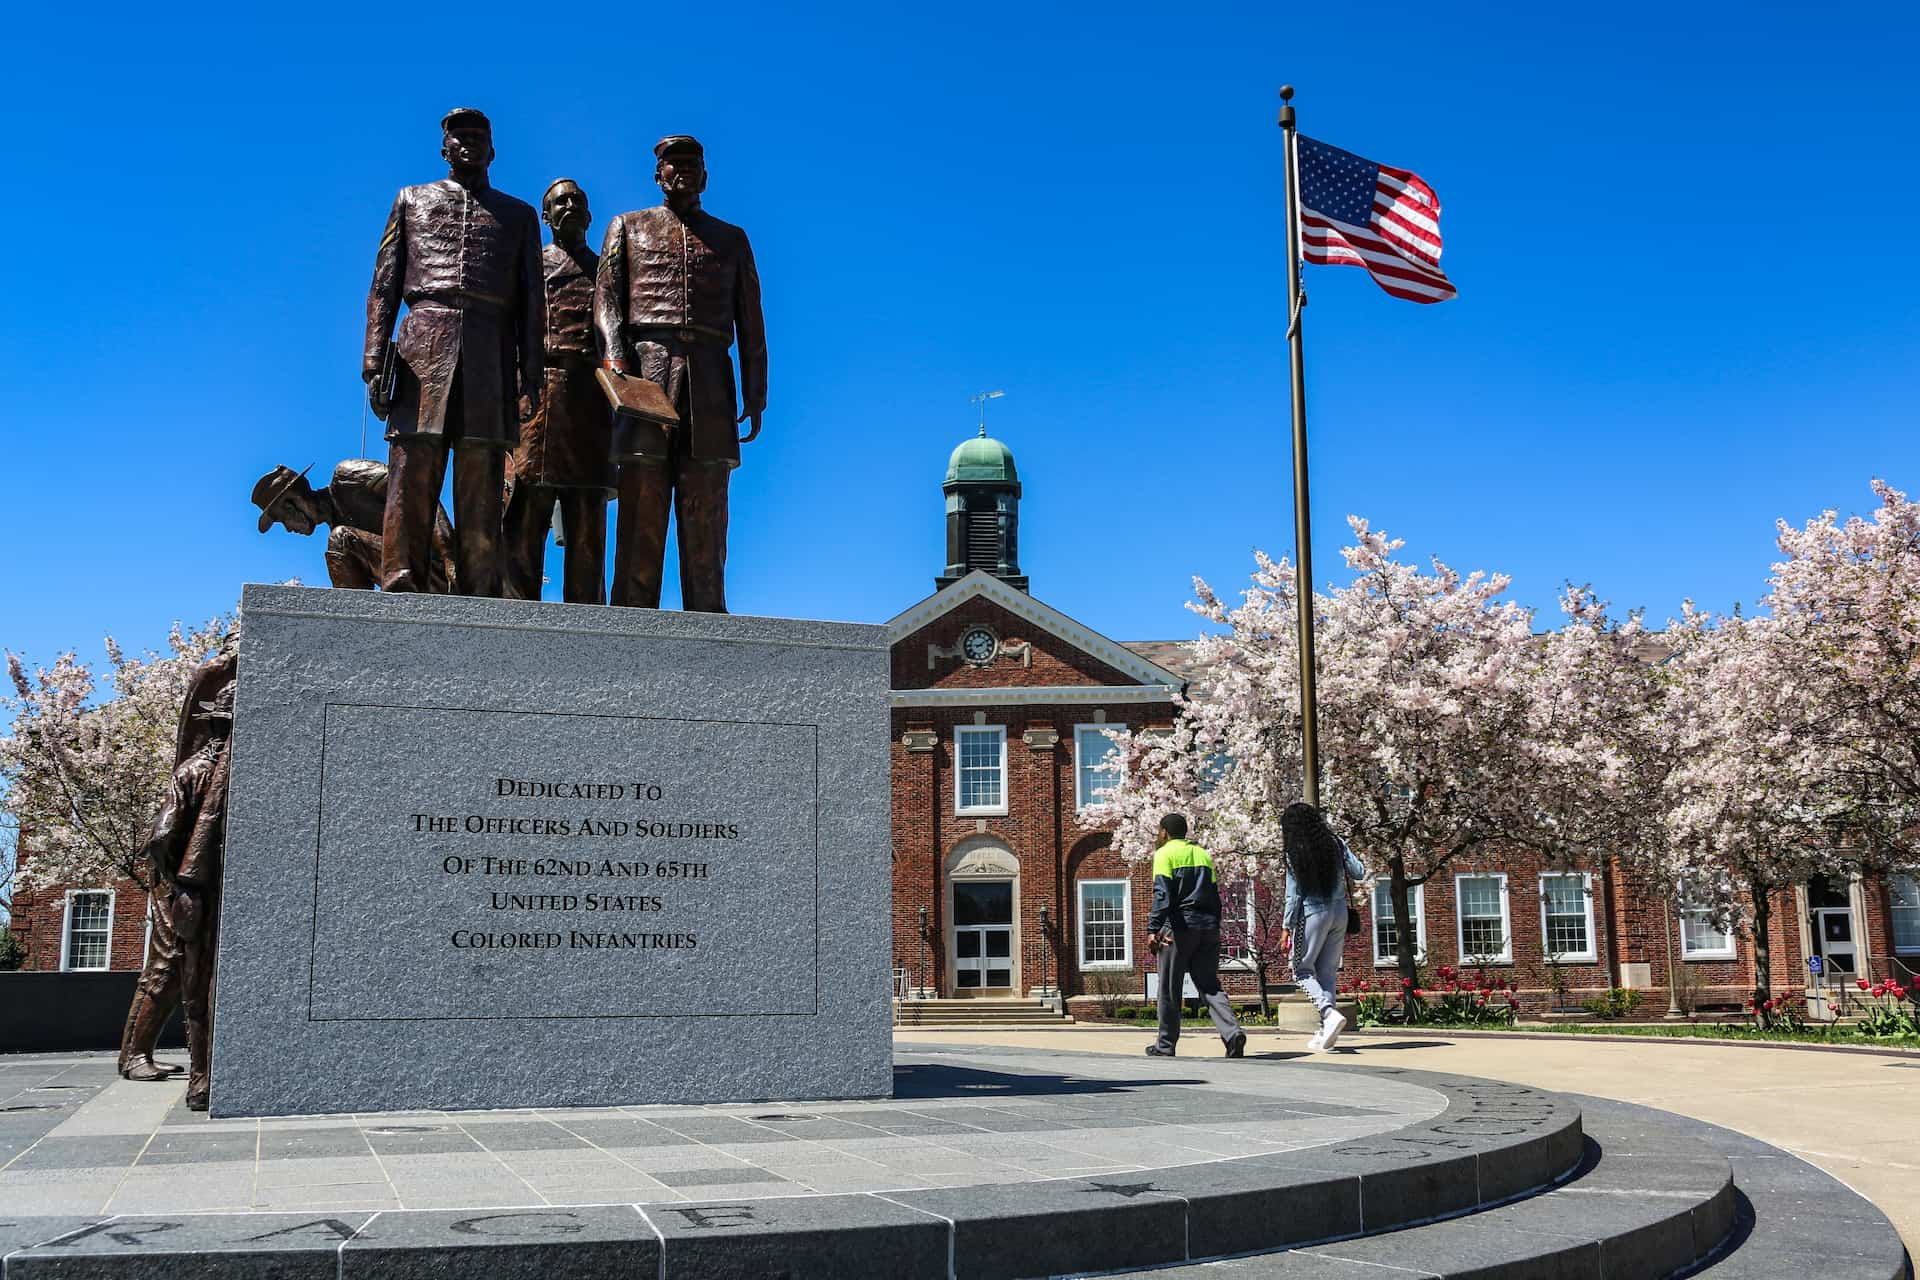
1657,1197
1492,1143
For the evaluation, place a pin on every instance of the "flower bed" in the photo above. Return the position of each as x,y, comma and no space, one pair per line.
1455,999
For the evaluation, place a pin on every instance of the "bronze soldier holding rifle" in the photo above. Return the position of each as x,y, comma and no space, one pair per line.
465,258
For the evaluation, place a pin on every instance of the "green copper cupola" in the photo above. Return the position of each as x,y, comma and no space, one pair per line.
983,513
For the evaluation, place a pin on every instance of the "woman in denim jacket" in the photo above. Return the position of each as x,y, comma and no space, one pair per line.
1319,865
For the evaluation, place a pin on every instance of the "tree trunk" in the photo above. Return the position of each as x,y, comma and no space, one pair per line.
1762,945
1260,977
1405,951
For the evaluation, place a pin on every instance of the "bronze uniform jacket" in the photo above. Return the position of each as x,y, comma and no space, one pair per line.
568,443
467,264
672,296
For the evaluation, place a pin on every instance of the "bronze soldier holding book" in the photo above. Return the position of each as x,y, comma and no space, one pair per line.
678,287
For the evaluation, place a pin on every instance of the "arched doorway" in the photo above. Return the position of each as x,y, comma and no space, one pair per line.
983,936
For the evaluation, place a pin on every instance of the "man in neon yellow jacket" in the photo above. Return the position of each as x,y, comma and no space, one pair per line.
1184,932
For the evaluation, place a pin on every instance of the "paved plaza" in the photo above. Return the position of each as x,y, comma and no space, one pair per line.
75,1139
991,1160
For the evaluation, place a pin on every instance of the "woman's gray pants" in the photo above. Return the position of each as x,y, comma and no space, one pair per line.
1316,955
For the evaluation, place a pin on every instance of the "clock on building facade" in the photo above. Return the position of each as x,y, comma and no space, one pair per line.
979,645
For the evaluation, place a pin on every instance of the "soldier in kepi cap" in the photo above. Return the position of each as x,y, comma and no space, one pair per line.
354,505
465,258
565,448
677,287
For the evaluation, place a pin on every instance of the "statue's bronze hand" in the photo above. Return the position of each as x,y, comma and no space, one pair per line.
377,396
752,431
188,910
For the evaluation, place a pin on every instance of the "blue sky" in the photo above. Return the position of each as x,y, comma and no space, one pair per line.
1686,306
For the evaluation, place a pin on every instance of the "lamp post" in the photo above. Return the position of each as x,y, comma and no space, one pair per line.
1046,954
926,956
1674,1011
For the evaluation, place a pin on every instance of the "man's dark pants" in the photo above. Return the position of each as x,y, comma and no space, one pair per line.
1193,953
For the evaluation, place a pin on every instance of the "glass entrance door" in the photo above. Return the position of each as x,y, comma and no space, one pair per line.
982,936
1831,907
1833,943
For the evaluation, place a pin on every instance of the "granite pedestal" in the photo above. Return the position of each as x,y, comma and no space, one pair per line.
487,854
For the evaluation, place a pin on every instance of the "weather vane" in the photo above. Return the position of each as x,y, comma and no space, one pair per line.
981,400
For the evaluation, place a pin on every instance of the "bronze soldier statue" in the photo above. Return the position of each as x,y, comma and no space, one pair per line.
677,288
354,505
465,258
184,853
565,447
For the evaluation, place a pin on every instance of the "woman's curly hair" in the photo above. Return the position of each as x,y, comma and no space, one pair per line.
1314,854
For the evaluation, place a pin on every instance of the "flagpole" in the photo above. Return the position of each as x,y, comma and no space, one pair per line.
1302,525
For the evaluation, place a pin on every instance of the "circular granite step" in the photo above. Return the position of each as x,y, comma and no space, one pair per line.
987,1163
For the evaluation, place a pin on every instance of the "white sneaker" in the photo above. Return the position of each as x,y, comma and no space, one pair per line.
1330,1028
1318,1040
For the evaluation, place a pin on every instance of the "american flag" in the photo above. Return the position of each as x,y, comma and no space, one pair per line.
1356,213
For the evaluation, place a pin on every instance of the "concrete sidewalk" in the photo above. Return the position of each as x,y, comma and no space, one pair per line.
1853,1115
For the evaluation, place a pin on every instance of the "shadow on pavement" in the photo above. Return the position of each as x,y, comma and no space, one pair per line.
940,1080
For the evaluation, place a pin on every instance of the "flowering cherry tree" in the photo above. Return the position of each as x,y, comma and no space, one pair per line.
84,778
1748,801
1845,607
1423,712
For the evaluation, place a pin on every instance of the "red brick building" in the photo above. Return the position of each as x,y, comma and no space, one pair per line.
999,706
81,927
998,703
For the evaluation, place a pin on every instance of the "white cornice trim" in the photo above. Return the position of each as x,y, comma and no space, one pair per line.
1051,694
1019,603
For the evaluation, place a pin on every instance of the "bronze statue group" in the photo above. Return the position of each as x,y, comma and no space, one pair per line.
494,374
506,368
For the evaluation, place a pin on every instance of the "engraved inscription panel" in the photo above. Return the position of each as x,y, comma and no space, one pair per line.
480,864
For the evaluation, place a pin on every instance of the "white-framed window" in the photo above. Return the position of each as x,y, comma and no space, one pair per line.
1566,917
1385,936
1239,922
1700,937
86,931
1903,895
980,769
1485,924
1093,749
1106,924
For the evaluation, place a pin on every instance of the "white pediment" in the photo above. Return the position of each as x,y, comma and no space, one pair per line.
980,584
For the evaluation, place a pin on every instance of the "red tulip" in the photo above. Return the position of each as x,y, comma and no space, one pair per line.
1862,984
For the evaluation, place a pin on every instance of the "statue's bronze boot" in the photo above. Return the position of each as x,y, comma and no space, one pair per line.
146,1069
199,1053
145,1018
